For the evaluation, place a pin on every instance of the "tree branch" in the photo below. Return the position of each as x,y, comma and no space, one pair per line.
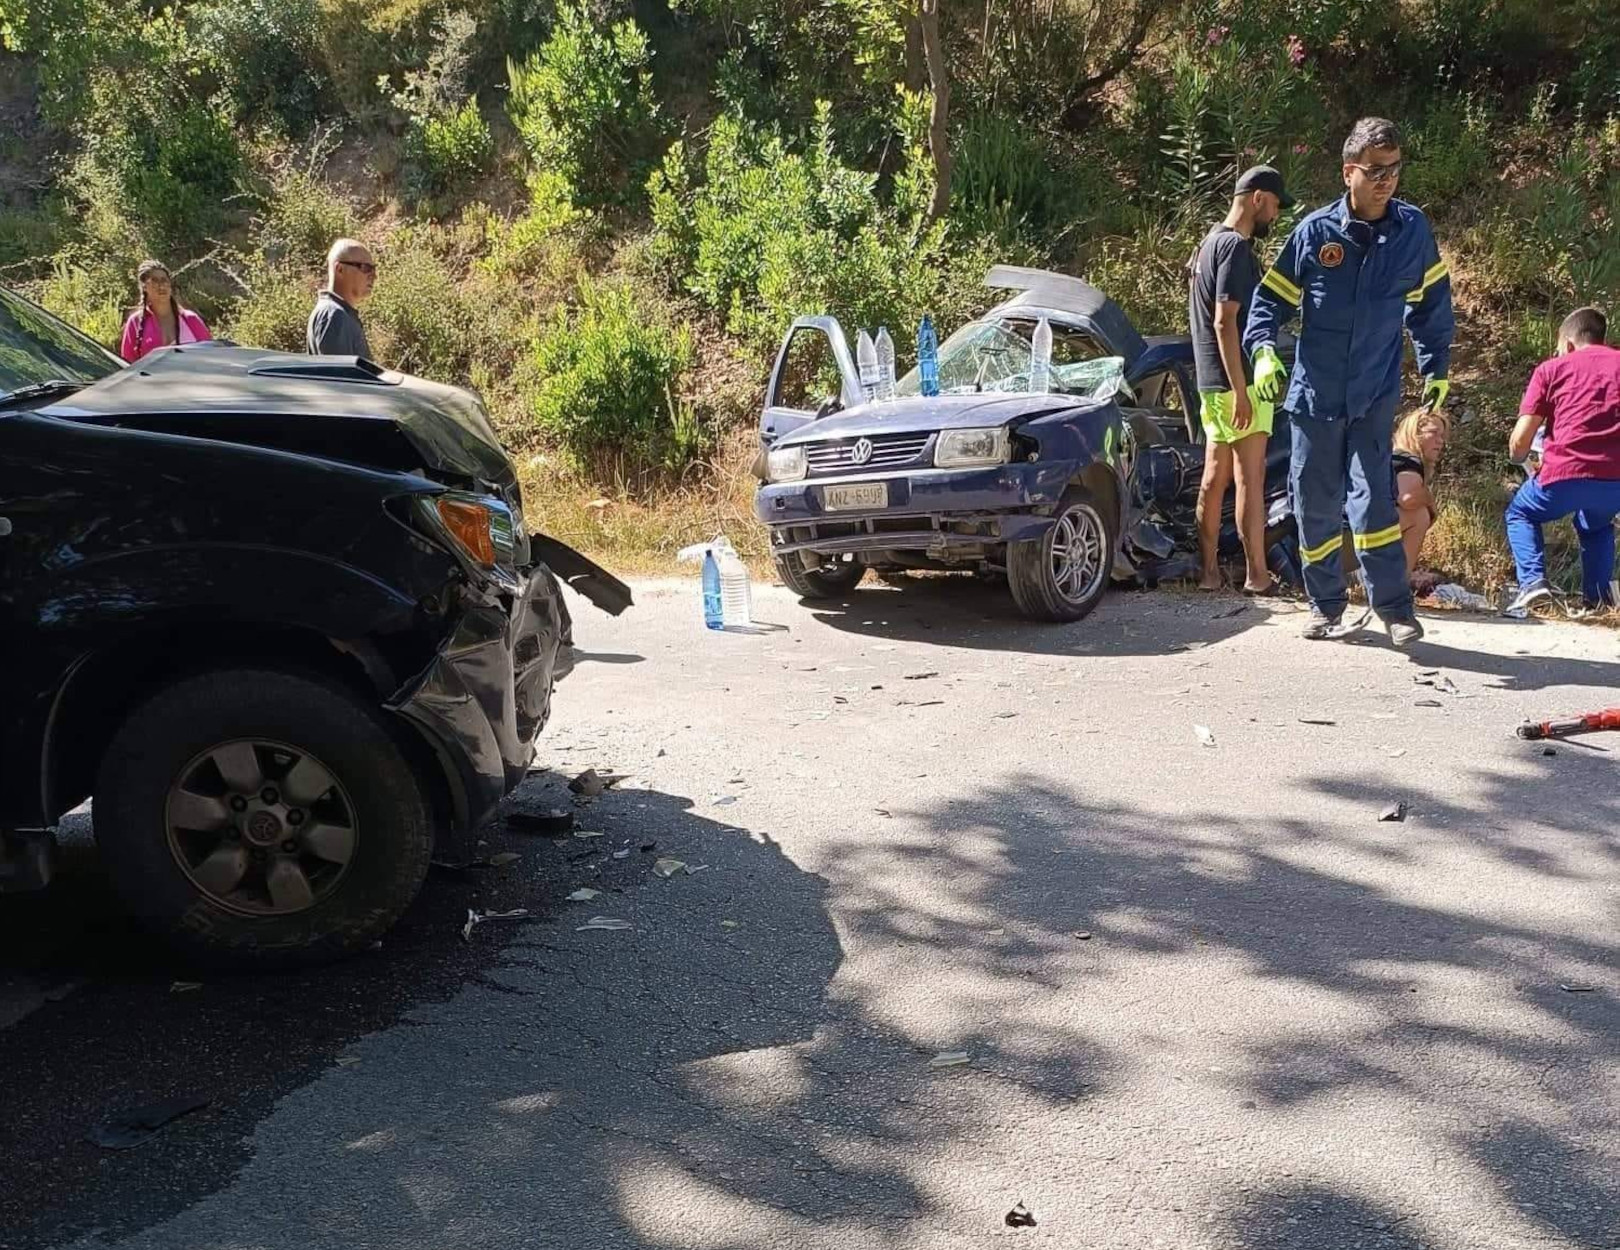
939,114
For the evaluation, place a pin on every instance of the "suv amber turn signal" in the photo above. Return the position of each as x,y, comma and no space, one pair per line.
468,524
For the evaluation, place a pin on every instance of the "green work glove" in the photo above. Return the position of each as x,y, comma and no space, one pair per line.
1269,374
1435,391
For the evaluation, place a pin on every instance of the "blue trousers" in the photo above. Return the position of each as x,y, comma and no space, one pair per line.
1594,505
1339,470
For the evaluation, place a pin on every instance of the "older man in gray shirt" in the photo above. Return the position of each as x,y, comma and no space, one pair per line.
334,326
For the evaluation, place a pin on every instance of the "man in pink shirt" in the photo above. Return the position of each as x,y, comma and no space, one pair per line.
1576,397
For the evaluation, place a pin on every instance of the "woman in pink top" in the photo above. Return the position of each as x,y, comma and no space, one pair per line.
159,321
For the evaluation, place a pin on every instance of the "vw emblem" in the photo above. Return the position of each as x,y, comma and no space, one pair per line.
862,451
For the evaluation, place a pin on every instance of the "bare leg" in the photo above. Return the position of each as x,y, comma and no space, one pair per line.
1211,494
1251,509
1412,507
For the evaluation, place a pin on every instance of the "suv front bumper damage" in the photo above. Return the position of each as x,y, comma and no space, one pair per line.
486,696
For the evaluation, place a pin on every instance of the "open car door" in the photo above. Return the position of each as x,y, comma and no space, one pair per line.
814,376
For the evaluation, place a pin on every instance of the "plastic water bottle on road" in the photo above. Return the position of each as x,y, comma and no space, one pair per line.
736,597
866,361
927,357
885,359
1040,359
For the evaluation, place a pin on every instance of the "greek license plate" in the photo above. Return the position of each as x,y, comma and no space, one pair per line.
859,498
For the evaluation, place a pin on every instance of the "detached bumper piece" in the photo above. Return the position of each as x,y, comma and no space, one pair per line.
487,695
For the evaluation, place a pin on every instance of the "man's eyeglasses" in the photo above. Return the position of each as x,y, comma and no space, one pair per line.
364,266
1380,173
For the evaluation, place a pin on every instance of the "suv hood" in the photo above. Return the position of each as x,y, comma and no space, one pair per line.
336,407
919,414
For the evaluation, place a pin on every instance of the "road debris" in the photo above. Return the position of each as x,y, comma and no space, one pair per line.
950,1059
604,923
624,854
1395,753
132,1127
1549,750
728,924
347,1061
1316,720
590,784
1576,987
648,847
1204,734
553,824
920,676
667,868
184,987
584,895
504,858
1428,703
587,833
1020,1217
725,800
1227,615
1394,812
1082,935
1439,681
476,918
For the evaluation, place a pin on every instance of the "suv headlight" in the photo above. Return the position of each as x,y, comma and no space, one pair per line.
786,464
961,449
481,527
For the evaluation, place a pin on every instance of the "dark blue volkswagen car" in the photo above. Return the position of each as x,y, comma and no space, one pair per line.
1059,490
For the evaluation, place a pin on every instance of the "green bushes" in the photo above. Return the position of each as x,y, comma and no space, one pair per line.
611,374
584,105
266,56
769,233
447,152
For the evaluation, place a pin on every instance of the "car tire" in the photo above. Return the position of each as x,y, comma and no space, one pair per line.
1041,573
818,583
187,757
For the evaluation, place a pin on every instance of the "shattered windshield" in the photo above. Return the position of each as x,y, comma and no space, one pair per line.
986,356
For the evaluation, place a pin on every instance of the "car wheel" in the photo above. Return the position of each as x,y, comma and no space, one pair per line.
262,819
1062,575
827,582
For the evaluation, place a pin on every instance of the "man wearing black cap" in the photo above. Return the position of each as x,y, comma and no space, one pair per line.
1223,276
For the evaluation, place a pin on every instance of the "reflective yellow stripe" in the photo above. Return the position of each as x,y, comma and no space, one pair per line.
1315,555
1378,538
1282,286
1436,271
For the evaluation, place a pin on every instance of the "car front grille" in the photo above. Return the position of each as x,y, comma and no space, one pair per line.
889,451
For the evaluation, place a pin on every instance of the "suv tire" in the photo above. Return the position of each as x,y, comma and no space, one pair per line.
230,893
1063,574
818,583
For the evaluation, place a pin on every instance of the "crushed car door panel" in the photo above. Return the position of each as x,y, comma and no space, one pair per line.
814,374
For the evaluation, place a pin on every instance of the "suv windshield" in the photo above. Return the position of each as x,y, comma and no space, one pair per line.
35,347
987,356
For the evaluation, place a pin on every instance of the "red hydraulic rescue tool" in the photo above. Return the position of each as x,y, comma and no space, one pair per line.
1592,722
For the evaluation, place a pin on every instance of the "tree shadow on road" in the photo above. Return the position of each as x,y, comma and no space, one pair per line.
1221,1032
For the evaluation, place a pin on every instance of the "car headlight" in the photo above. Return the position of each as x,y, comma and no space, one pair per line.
482,527
786,464
960,449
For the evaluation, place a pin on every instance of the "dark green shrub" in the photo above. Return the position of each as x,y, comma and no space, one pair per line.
610,375
447,152
266,56
584,104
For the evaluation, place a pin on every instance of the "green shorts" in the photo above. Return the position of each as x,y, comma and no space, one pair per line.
1215,412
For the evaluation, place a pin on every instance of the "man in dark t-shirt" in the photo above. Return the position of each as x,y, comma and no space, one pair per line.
1576,397
1222,278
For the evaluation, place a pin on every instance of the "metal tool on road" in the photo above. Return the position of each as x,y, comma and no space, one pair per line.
1592,722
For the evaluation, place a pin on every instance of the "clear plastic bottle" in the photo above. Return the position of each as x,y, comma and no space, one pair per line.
927,357
867,362
1040,358
885,359
736,597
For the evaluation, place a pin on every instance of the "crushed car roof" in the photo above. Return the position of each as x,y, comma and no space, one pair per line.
1073,297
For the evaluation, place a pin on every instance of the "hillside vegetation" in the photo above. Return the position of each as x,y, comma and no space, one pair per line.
604,214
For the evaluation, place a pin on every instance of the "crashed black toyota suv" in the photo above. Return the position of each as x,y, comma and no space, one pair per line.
279,615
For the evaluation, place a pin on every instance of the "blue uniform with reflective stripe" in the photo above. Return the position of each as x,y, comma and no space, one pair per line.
1355,286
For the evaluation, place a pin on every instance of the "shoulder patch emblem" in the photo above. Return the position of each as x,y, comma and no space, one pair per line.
1331,255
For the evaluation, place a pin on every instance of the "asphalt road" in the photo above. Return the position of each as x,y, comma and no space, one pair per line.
1206,997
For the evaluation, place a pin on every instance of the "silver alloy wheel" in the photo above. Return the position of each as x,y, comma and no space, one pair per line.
1079,558
261,827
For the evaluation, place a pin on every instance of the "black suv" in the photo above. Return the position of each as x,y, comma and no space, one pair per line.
278,614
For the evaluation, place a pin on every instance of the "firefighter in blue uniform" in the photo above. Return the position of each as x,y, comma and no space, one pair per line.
1357,272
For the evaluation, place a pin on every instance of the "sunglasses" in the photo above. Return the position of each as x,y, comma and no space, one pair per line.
364,266
1380,173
